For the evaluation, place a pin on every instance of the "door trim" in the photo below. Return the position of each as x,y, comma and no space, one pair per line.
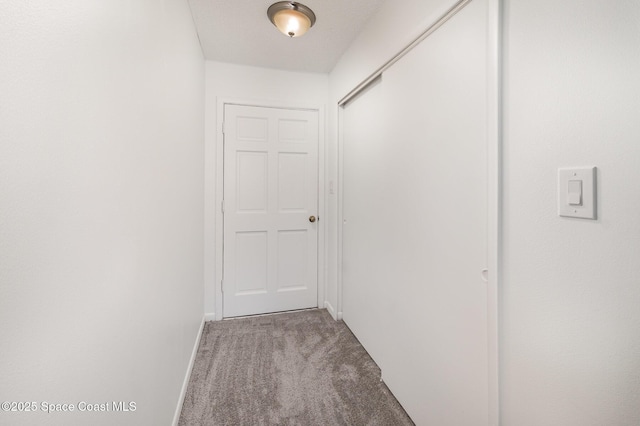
217,221
494,201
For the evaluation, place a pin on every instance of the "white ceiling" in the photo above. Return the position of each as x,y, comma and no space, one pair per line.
238,31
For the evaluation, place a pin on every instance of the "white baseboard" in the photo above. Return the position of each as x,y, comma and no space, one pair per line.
185,383
210,317
331,310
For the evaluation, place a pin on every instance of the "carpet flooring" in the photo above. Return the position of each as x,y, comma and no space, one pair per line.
296,368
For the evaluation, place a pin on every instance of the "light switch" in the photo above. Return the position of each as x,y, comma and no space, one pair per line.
577,192
574,197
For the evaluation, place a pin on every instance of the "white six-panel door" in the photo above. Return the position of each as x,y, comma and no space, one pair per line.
270,209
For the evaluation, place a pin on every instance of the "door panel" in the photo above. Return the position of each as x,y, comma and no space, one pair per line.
270,191
292,185
251,263
292,260
251,186
415,211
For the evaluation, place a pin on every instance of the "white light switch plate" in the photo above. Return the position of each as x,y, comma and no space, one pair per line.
570,204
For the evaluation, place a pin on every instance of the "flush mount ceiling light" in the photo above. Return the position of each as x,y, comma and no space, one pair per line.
291,18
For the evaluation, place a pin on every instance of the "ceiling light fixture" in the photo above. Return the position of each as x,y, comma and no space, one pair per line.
291,18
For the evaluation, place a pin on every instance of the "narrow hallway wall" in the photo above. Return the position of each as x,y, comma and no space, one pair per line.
101,207
570,347
570,342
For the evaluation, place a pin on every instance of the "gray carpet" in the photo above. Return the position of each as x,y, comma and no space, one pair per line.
296,368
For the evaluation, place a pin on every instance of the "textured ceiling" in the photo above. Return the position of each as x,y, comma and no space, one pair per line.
239,32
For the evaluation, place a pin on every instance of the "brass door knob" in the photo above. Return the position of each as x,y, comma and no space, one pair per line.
312,219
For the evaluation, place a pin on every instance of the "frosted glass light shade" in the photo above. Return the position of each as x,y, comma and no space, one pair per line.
291,18
291,23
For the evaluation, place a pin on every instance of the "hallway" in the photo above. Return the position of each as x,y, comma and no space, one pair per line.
111,204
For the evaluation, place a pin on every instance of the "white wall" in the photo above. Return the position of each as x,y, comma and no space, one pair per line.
101,206
248,84
570,342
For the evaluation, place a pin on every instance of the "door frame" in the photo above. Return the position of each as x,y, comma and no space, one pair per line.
221,102
494,197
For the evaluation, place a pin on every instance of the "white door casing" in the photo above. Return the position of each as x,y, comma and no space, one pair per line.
270,254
